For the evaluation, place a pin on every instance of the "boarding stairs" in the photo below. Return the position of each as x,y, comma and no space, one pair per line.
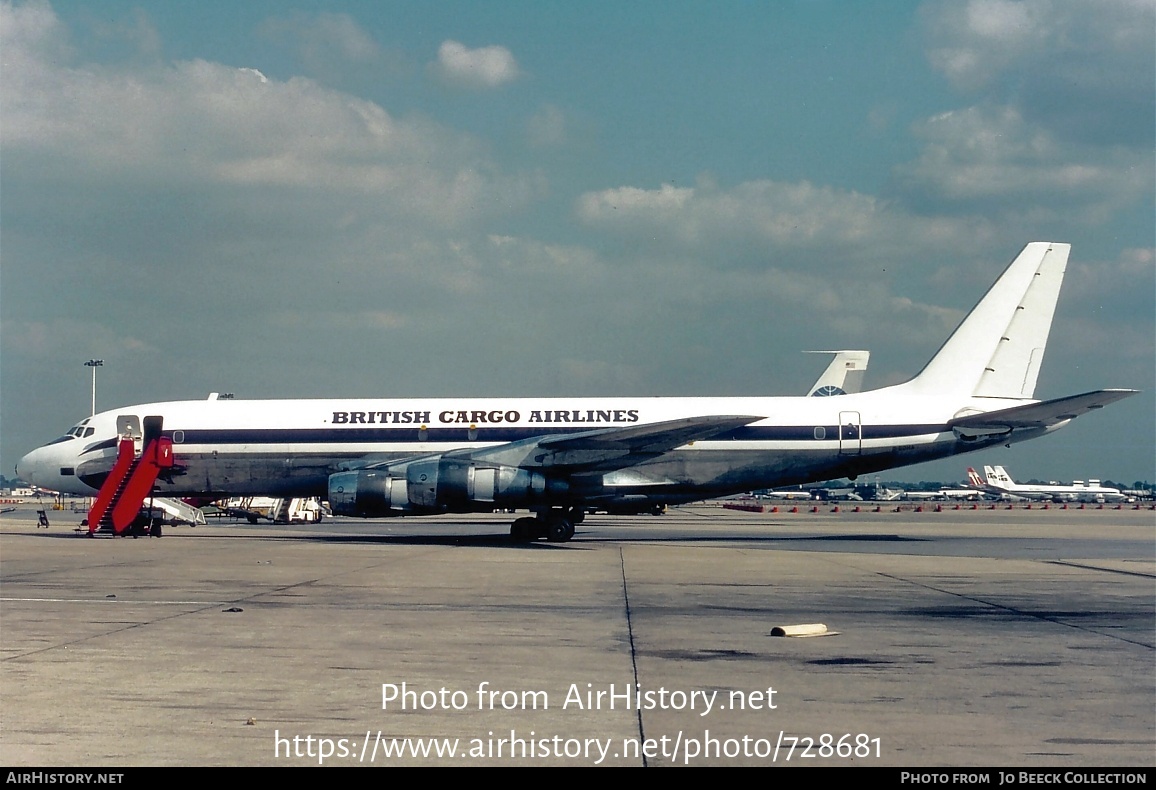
173,510
128,484
293,511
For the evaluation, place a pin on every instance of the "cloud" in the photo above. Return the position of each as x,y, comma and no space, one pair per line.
63,337
1126,282
32,33
198,122
345,321
991,156
481,68
267,225
1059,127
327,44
832,227
1085,71
547,127
336,33
978,40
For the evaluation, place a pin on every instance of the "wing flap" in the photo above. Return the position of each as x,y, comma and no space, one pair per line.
610,448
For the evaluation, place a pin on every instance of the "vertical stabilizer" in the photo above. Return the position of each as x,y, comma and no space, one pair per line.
997,351
844,375
999,478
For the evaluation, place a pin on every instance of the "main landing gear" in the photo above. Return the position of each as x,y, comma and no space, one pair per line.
556,526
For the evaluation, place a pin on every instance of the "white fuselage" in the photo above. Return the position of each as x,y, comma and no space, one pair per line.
1000,482
290,447
562,456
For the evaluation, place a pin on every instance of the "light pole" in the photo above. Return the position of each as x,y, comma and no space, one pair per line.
94,364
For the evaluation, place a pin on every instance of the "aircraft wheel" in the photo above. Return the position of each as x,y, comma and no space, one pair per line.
559,529
155,531
524,529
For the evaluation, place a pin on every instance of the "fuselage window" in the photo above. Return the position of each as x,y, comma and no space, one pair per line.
178,437
820,432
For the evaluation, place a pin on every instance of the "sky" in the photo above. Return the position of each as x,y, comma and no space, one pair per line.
413,199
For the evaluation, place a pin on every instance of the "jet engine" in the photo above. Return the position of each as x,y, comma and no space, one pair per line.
438,484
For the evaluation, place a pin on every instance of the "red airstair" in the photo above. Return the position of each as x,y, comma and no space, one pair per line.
128,484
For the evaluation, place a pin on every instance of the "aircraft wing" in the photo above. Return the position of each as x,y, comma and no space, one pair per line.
606,448
1043,414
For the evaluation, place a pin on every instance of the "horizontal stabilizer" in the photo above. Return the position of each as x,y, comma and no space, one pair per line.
1043,414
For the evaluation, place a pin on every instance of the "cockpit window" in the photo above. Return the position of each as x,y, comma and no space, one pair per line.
76,431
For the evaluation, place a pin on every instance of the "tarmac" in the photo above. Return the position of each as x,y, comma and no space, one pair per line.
963,638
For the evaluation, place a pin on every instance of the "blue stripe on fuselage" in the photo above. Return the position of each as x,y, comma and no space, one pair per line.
508,433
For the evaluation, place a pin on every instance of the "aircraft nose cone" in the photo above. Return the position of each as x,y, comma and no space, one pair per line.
30,468
25,464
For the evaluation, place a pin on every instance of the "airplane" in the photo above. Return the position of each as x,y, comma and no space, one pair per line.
977,483
942,494
788,494
998,481
837,494
559,457
844,375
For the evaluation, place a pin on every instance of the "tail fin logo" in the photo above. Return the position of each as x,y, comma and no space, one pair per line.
974,478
